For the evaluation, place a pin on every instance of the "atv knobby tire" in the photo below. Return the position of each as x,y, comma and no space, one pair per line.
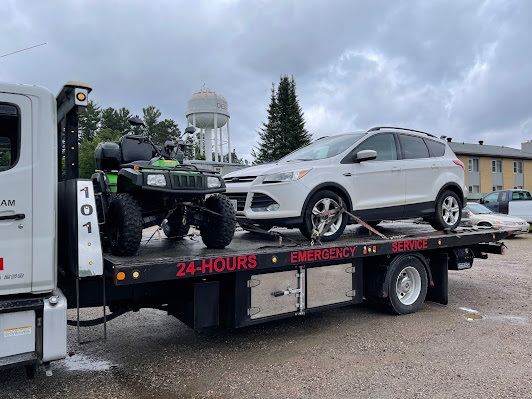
124,225
177,225
218,231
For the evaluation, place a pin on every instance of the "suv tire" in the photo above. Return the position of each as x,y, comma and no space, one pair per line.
448,211
323,201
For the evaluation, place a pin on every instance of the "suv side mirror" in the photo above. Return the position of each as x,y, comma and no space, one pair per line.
190,129
365,155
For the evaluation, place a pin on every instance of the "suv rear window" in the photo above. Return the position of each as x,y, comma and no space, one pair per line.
436,149
413,147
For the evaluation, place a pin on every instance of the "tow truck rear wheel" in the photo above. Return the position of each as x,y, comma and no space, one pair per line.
218,231
407,285
124,225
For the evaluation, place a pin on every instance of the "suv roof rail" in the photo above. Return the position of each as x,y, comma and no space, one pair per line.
400,128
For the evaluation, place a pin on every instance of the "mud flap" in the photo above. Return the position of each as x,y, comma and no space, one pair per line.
438,289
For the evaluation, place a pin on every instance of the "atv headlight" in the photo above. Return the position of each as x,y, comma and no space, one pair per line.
156,180
285,176
213,182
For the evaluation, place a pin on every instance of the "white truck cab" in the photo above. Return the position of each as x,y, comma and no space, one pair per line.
32,309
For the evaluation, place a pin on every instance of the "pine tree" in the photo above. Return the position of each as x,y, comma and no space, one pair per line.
285,130
89,121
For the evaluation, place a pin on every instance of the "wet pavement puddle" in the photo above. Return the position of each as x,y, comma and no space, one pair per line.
80,362
473,315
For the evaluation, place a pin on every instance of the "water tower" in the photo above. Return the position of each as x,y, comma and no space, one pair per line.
207,112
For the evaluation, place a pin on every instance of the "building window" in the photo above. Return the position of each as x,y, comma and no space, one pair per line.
472,164
495,188
474,189
496,166
518,167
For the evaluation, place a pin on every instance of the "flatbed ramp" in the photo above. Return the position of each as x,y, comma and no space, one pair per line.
162,259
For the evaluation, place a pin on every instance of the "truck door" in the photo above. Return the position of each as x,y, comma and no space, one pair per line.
15,194
491,201
503,202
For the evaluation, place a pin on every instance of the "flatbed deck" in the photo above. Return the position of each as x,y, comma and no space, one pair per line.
161,259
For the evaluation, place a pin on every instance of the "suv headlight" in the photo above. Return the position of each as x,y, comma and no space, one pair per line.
213,182
285,176
156,180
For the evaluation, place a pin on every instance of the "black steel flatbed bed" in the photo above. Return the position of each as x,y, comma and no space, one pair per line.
162,259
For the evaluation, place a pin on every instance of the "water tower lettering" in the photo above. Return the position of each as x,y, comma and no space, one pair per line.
221,105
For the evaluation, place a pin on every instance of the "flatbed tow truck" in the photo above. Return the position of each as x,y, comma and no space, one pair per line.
51,258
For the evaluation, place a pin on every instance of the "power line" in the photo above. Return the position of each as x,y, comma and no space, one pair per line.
24,49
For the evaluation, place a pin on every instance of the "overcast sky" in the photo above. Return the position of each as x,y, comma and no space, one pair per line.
457,68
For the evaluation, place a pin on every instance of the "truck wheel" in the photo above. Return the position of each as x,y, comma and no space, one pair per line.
177,225
448,211
218,231
124,225
320,203
407,285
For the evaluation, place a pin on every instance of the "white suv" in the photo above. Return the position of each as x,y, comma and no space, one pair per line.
384,173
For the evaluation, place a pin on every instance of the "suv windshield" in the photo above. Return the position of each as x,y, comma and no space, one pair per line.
324,148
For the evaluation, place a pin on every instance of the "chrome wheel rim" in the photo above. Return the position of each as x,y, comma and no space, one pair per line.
450,210
326,212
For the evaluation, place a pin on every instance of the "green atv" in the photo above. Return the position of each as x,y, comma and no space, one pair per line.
139,185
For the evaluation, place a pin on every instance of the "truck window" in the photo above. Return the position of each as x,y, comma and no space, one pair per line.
491,197
521,195
9,135
503,197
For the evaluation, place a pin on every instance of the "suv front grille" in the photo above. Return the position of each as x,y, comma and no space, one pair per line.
188,182
240,200
261,201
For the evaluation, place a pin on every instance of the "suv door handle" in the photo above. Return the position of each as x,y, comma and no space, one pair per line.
434,166
395,169
16,216
348,174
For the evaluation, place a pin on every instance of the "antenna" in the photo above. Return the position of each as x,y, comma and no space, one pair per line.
24,49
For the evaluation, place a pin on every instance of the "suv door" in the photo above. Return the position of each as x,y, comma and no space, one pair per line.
15,196
419,173
380,183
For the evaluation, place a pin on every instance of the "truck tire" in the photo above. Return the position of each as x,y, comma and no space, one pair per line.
447,212
323,201
218,231
407,285
177,225
124,225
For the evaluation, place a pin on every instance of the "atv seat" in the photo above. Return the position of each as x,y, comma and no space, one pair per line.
134,148
130,151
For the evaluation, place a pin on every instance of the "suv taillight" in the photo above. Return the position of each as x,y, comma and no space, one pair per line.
459,163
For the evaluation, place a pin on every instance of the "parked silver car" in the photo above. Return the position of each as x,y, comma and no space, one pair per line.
482,216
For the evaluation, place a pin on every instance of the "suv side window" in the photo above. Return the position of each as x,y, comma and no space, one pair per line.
436,149
413,147
384,144
491,197
9,135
